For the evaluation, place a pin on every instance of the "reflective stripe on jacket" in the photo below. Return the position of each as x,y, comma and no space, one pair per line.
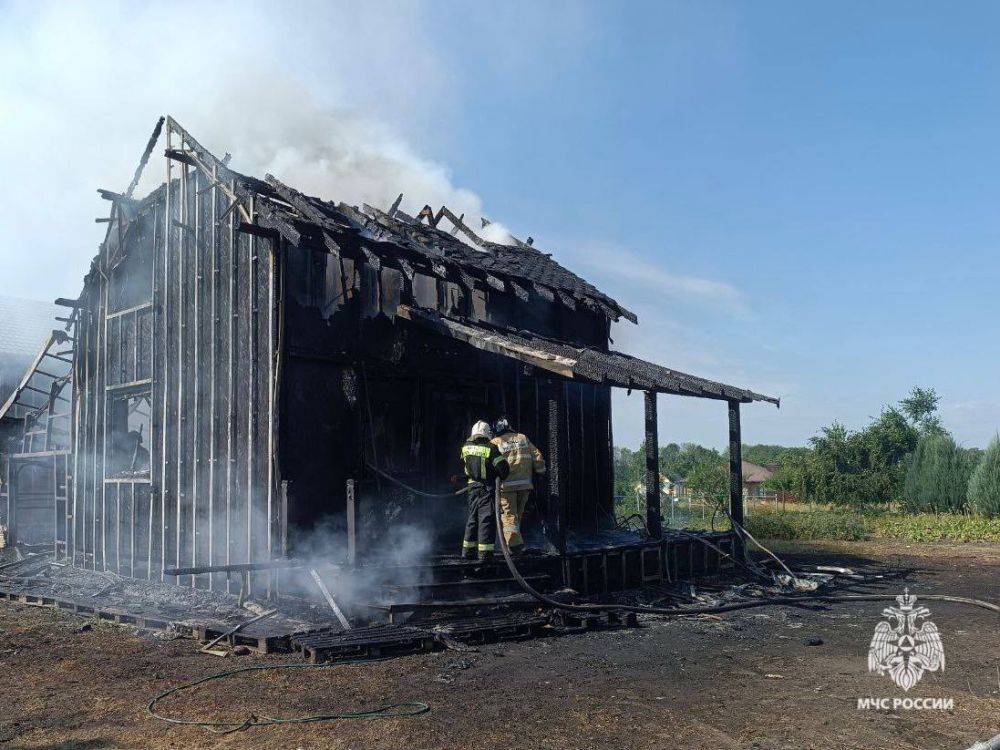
482,461
524,458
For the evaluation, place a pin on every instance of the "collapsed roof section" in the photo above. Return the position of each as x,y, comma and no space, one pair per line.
397,239
586,364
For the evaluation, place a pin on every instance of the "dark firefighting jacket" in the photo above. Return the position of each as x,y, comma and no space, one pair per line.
483,462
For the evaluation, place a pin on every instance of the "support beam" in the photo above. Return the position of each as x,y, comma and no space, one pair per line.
352,525
736,476
654,525
558,479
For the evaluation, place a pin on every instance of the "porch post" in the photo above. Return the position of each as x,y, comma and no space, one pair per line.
654,523
736,476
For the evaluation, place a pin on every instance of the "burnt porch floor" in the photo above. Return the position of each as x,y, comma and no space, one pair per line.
449,597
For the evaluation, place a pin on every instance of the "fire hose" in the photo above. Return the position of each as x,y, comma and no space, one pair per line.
394,710
717,609
414,490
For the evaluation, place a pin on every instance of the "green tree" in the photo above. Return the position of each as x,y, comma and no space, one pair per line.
984,486
865,467
677,462
937,477
796,474
710,480
764,455
887,443
630,469
921,407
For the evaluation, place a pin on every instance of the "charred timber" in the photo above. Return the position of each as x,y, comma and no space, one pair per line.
178,155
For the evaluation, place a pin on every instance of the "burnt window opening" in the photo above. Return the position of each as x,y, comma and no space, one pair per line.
425,292
454,300
320,279
129,422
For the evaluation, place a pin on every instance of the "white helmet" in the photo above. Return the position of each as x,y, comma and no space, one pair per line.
481,429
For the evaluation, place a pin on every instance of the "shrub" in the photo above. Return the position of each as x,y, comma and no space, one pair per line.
809,525
710,480
845,525
936,527
984,486
937,477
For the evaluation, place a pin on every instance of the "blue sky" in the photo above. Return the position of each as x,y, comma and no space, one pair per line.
795,197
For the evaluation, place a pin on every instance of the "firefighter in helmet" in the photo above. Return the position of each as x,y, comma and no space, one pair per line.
483,465
525,462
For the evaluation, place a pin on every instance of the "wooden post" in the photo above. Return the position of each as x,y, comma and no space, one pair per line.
736,476
558,479
283,519
352,525
654,524
11,504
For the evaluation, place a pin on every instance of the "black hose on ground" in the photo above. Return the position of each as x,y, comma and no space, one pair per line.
389,711
766,602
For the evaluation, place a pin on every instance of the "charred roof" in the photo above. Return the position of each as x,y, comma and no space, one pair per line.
409,243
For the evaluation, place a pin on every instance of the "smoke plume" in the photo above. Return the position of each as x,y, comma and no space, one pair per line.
326,96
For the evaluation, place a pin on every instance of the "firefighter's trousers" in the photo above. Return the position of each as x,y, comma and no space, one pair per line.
481,526
512,504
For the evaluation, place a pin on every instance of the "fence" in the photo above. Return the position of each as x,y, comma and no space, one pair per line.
687,509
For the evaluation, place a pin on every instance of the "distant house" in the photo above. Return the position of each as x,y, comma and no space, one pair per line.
754,477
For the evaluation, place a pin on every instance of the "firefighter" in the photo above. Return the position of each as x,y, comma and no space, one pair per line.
525,461
483,464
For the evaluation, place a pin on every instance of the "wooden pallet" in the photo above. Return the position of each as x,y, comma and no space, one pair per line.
329,644
262,642
478,630
573,621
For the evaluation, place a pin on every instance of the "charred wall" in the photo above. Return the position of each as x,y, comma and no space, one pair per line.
215,361
362,388
172,431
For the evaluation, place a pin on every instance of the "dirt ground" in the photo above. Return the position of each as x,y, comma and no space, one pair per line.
765,678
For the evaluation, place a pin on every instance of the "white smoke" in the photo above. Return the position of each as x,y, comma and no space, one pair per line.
496,232
326,96
334,153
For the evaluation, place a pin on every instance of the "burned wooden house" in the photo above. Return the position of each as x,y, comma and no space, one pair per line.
252,365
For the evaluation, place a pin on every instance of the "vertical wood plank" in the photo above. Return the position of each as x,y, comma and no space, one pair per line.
253,403
101,398
653,521
557,472
194,427
180,233
166,495
736,477
352,525
212,364
230,386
